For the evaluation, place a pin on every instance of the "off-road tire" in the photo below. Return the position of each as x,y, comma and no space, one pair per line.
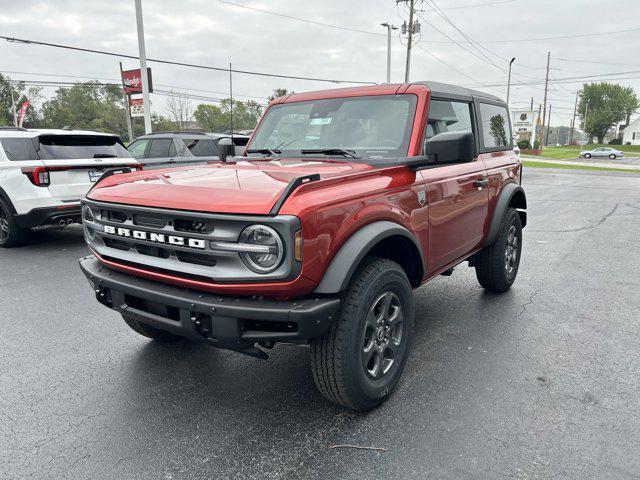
149,331
491,262
12,235
336,357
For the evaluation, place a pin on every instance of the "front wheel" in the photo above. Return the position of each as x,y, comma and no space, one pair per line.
612,156
587,155
497,264
359,360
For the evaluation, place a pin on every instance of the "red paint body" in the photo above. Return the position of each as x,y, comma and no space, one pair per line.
450,226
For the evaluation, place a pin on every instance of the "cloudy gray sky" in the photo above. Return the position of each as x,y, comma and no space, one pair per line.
351,46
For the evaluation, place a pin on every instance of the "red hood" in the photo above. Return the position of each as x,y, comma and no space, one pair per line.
244,187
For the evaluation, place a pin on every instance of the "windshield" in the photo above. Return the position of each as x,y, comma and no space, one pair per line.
372,126
66,147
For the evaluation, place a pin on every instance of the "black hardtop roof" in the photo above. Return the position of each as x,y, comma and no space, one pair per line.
447,90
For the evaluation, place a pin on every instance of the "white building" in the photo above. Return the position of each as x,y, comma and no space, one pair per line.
631,134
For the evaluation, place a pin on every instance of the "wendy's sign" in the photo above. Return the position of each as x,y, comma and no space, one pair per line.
133,83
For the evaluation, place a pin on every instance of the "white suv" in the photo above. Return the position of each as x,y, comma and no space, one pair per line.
45,173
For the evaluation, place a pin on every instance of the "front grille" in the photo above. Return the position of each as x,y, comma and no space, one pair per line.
183,244
192,226
149,268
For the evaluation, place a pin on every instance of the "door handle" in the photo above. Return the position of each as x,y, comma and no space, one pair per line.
483,182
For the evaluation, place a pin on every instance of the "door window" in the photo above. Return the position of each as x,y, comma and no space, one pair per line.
496,129
136,149
448,116
161,147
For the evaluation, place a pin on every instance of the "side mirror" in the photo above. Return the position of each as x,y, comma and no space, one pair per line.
451,147
226,149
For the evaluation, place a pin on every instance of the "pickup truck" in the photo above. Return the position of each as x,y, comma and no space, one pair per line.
344,202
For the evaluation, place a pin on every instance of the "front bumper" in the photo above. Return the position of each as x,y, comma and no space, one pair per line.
50,216
236,323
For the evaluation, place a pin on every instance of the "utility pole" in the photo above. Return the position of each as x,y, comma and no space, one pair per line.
410,30
538,122
573,119
143,69
546,88
531,104
389,28
127,107
586,111
546,143
509,80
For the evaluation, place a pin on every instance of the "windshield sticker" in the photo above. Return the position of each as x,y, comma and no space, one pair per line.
321,121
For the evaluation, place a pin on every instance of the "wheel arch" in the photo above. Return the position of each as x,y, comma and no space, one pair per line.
511,196
383,239
7,200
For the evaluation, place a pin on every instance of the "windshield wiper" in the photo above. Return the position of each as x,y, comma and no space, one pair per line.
330,151
265,151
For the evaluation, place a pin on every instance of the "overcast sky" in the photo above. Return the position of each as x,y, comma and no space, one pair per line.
215,33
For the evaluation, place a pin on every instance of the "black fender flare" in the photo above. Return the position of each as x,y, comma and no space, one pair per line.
337,275
509,191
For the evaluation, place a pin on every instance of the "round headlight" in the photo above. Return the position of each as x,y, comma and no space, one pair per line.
268,251
87,216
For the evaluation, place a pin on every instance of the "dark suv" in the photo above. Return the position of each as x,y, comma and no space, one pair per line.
178,149
344,203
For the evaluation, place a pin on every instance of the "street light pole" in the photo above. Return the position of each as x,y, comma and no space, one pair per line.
586,112
389,28
509,80
143,69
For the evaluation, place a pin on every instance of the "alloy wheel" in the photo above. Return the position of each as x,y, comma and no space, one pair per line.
4,224
382,335
511,252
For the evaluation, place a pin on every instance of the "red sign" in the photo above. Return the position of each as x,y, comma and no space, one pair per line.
133,83
136,107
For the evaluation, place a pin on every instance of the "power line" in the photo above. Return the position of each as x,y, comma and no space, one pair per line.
118,80
574,79
291,17
539,39
460,7
182,64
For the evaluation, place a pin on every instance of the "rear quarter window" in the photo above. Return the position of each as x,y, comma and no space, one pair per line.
496,128
201,147
17,149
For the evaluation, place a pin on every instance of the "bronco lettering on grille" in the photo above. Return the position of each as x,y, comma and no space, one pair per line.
156,237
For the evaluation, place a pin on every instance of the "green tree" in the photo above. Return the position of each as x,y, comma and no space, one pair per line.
87,105
497,130
12,96
210,118
608,104
279,92
214,118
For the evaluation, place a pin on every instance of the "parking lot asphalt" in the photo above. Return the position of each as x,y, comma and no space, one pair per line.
540,382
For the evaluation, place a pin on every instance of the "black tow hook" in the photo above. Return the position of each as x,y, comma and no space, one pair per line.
103,295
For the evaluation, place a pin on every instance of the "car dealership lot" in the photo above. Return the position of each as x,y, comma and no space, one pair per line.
541,382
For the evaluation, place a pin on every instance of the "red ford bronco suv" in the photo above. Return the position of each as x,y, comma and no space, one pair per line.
343,203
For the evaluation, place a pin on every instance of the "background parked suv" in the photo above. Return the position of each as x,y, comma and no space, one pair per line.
45,173
173,149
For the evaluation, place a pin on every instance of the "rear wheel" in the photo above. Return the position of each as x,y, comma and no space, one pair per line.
149,331
612,156
359,360
587,155
11,234
497,264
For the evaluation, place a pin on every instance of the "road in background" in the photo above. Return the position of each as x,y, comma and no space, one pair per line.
541,382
